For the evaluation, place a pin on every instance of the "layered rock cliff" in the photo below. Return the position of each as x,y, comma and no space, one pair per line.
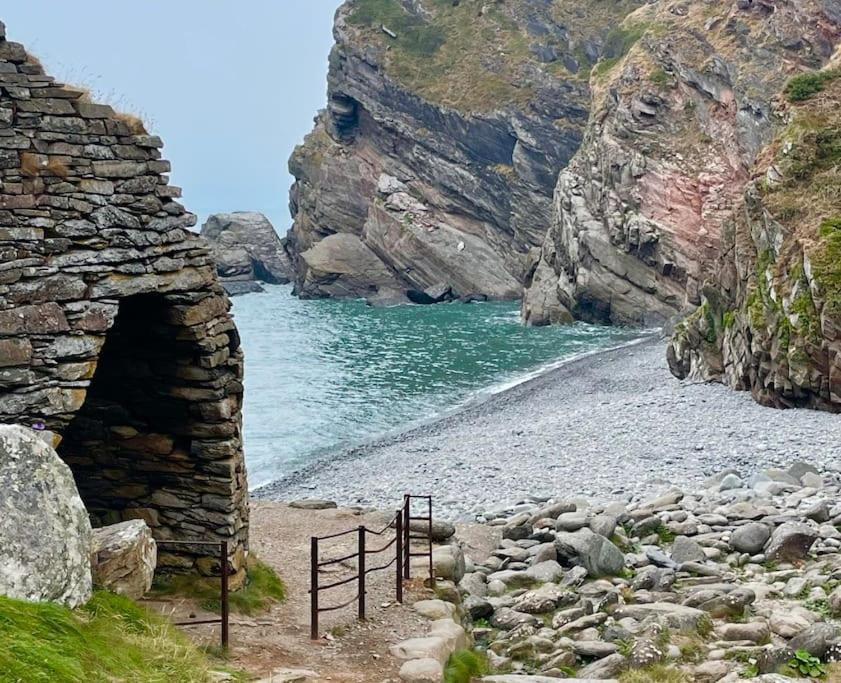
677,123
437,156
770,321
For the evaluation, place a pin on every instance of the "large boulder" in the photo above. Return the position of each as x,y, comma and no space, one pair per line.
124,557
790,542
595,553
45,537
750,538
246,247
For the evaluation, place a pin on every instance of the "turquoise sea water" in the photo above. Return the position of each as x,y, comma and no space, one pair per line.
323,375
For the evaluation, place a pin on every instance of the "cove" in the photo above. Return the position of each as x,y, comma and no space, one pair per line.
324,375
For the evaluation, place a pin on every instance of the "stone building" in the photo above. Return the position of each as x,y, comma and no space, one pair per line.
115,336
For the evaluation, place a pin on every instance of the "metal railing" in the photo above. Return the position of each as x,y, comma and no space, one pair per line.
224,617
402,555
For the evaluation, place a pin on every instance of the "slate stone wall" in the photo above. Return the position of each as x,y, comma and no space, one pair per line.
115,334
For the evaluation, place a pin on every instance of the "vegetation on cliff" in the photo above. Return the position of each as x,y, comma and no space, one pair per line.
111,638
476,56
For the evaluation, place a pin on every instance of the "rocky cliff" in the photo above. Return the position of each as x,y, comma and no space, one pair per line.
437,156
770,318
677,123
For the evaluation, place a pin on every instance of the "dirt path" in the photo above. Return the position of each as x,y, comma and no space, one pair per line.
352,651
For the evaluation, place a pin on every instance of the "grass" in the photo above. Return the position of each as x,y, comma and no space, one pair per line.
465,665
109,639
664,535
659,673
263,588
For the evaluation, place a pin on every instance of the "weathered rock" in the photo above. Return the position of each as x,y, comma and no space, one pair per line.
816,639
441,529
246,247
124,557
313,504
750,538
754,631
45,537
790,542
593,552
677,617
448,562
427,670
687,550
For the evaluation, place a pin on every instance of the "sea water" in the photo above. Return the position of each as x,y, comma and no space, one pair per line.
324,375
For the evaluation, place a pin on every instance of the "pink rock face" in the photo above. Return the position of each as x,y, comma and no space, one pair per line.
676,127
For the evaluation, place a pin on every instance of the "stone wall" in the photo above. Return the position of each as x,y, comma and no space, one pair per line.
114,331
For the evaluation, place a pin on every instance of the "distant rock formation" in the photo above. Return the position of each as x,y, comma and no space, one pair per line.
247,250
115,335
436,158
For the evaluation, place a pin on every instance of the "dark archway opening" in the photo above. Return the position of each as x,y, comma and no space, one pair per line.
132,445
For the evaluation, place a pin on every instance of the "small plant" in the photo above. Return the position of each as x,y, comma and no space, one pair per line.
664,534
659,673
802,87
465,665
807,665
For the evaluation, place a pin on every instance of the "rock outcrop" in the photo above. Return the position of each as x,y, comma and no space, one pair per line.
247,250
770,319
436,158
676,125
115,336
45,536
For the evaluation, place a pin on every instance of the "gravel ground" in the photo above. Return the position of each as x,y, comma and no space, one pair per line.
610,426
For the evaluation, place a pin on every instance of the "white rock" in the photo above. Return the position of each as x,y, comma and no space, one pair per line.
45,534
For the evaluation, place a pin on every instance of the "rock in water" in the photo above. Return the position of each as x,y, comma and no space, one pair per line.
124,557
45,537
246,247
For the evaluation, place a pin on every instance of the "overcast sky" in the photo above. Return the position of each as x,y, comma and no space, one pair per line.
231,87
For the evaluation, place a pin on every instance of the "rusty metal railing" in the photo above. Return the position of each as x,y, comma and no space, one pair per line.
402,555
409,537
224,617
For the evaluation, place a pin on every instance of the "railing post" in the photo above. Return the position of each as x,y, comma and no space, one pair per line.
313,588
223,563
431,568
399,554
361,566
407,542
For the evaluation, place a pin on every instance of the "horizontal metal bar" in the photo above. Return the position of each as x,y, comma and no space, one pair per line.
385,547
426,554
385,566
338,583
410,496
344,604
197,622
213,543
337,560
341,533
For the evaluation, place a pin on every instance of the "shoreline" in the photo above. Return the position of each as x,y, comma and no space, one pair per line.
570,428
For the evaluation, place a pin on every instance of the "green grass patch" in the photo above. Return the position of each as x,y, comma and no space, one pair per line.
263,588
415,36
802,87
826,263
109,639
465,665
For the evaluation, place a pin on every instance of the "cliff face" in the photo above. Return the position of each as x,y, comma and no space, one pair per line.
437,156
677,123
770,321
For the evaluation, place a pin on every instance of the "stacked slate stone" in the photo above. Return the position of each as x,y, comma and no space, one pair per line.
115,334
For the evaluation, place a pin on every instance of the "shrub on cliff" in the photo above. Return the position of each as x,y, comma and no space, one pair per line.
802,87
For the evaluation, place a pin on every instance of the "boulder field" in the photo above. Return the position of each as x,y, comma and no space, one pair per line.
739,579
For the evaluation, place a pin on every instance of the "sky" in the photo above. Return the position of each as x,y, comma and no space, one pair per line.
231,87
